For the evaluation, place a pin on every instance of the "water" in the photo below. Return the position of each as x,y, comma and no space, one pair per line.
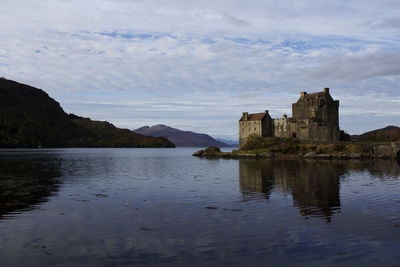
124,207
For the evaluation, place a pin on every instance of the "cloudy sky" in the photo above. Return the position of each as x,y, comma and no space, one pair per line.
197,65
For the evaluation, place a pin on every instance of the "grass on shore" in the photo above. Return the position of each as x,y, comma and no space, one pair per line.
257,144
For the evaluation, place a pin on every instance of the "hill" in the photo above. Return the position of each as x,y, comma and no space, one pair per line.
229,142
30,118
388,134
180,138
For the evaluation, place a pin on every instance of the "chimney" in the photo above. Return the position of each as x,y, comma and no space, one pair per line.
326,90
245,116
303,93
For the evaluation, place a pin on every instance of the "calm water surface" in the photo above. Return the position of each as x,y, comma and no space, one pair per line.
124,207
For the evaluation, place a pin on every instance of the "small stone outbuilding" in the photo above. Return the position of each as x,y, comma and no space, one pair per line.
315,117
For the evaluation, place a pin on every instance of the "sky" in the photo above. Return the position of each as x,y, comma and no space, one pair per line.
197,65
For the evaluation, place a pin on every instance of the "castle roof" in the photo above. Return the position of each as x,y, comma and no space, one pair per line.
254,117
315,96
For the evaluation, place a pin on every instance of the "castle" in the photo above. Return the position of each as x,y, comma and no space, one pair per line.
315,117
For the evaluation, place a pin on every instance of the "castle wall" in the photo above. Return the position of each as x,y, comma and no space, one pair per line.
301,111
310,130
318,117
284,127
332,114
247,128
261,127
288,128
267,127
322,109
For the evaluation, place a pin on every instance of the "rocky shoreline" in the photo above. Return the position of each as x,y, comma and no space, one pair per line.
378,151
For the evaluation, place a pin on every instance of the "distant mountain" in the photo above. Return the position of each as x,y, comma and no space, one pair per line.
30,118
229,142
179,137
388,134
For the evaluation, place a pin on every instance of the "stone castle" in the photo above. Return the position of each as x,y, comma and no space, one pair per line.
315,118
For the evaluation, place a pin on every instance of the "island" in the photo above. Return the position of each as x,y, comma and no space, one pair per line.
280,148
312,132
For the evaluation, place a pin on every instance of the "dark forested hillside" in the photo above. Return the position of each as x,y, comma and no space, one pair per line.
30,118
107,135
388,134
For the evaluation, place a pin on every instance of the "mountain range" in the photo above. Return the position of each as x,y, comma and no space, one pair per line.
30,118
229,142
180,138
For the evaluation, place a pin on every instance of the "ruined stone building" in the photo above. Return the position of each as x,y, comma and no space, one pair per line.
315,117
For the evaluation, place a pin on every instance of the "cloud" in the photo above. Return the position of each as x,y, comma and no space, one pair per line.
350,69
236,21
203,62
386,23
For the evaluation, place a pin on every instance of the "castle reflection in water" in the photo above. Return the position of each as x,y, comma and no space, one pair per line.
314,185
